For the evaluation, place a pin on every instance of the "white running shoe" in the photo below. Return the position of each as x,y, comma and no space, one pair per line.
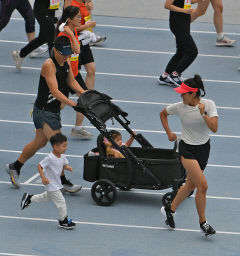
225,41
18,60
99,40
39,51
82,133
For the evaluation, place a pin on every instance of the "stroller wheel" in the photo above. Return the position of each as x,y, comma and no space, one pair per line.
168,198
104,192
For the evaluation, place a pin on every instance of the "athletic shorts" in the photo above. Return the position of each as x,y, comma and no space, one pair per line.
42,116
85,56
197,152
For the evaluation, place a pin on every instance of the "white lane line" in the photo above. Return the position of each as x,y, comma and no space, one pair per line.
122,129
140,51
154,29
127,75
132,191
80,156
118,101
14,254
116,225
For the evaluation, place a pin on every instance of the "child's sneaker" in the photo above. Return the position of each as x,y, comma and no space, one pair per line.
26,201
207,229
175,79
225,41
165,80
166,212
66,223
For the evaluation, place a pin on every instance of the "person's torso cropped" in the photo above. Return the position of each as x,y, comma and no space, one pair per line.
45,100
45,7
178,18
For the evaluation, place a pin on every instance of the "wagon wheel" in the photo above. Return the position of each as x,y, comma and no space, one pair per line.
123,188
104,192
168,198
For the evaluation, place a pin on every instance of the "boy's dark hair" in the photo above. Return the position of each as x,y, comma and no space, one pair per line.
58,138
115,133
196,82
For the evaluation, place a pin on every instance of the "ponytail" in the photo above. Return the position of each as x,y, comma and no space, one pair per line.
196,82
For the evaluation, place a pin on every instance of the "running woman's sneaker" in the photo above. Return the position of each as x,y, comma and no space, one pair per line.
26,201
18,60
39,51
175,79
14,176
165,80
168,214
225,41
68,186
207,229
82,133
99,40
66,223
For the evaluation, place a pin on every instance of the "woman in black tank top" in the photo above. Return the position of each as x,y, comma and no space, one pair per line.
55,79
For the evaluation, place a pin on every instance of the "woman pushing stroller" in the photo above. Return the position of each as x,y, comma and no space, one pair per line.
198,116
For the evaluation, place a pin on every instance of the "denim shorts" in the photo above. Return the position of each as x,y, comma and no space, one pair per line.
42,116
197,152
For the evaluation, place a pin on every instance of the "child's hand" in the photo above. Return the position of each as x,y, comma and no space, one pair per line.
68,168
45,181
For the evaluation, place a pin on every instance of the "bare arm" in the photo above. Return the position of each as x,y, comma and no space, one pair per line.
67,167
212,122
169,5
49,73
130,141
74,44
90,24
45,181
164,119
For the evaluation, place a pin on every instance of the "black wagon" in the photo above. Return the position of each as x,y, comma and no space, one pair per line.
142,167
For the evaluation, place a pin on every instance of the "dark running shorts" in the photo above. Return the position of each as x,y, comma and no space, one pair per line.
197,152
85,56
42,116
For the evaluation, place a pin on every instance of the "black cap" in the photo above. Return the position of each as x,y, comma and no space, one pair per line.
63,45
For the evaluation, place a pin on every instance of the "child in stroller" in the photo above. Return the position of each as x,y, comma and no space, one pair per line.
117,137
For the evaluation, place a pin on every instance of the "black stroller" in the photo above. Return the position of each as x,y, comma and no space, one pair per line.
143,167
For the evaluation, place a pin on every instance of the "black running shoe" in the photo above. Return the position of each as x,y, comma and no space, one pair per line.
66,223
166,212
207,229
177,80
26,201
165,80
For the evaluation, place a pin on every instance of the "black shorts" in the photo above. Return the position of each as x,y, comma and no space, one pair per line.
85,56
197,152
81,82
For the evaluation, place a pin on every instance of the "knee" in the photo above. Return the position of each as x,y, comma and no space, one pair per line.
218,9
42,144
203,187
91,71
200,11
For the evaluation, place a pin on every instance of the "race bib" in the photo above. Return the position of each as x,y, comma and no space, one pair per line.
87,19
74,57
187,4
54,4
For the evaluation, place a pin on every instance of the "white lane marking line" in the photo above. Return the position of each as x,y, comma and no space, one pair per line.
14,254
116,225
133,191
149,28
140,51
126,75
120,101
80,156
122,129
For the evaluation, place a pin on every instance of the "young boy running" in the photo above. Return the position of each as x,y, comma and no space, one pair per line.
50,169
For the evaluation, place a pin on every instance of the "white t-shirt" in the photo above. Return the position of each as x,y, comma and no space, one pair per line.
194,128
52,167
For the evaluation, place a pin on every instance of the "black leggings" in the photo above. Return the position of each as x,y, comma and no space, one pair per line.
24,8
186,50
46,35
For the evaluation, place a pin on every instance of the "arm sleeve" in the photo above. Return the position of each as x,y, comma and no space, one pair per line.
65,161
44,162
173,108
212,109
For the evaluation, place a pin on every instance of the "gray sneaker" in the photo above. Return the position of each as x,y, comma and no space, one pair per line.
225,41
18,59
39,51
14,176
71,188
82,133
99,40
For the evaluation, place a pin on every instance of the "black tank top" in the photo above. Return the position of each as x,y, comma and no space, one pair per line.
45,100
179,18
41,8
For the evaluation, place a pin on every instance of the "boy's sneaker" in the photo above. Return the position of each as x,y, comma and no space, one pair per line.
99,40
207,229
39,51
225,41
18,60
14,176
176,80
26,201
82,133
66,223
68,186
165,80
166,212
